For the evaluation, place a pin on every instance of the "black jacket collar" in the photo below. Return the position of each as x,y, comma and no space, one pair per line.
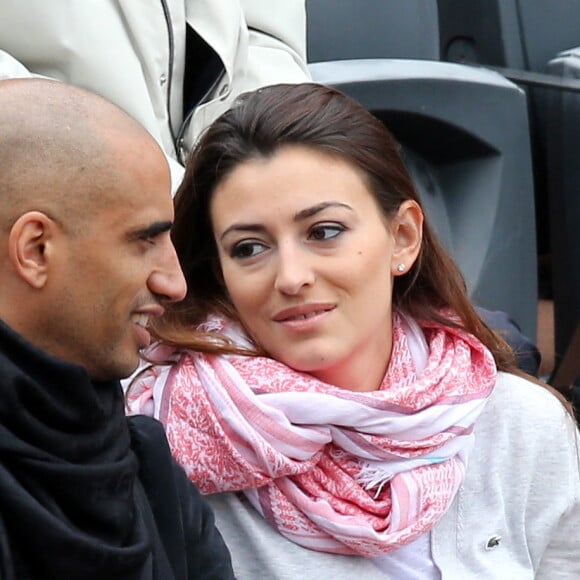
67,473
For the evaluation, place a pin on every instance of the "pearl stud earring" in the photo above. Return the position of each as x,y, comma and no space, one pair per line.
401,268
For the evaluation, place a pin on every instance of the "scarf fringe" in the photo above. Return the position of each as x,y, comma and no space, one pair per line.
371,477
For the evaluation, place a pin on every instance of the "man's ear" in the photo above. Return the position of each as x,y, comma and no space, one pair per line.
407,230
30,245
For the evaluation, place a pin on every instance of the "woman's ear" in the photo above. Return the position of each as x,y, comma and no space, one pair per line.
29,246
407,231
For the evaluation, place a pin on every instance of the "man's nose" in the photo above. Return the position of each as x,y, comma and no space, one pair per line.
168,281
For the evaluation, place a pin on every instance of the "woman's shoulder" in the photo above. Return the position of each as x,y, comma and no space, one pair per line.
522,486
528,421
522,399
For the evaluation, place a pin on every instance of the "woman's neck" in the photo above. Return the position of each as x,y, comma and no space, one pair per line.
364,369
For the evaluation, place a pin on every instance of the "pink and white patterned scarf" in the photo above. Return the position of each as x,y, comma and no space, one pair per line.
331,469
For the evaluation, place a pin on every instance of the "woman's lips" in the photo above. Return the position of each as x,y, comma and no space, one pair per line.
304,318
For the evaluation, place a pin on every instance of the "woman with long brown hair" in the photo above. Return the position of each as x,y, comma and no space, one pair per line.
327,379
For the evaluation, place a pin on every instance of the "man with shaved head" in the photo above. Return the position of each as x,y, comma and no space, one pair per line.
86,260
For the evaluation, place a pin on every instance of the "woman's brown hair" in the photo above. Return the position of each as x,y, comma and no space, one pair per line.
322,118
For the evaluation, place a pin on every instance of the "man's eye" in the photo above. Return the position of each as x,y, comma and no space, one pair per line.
323,232
247,249
149,240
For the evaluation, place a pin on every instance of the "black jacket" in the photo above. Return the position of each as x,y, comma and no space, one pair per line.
86,493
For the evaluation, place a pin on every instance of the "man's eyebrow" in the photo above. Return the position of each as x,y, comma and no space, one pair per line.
301,215
152,230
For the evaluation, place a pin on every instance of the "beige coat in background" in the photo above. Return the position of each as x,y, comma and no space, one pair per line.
132,52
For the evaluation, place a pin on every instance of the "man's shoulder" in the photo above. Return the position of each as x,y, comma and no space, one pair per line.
157,469
183,518
146,431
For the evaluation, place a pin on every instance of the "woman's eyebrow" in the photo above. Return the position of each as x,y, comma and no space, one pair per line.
243,228
301,215
310,211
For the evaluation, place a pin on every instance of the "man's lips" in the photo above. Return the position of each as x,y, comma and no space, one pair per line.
141,320
302,312
144,315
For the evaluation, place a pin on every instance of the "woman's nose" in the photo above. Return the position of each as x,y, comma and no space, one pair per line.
294,270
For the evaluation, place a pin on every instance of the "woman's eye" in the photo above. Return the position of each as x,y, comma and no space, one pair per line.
326,231
247,249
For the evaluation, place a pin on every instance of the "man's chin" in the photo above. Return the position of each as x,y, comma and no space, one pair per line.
117,372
